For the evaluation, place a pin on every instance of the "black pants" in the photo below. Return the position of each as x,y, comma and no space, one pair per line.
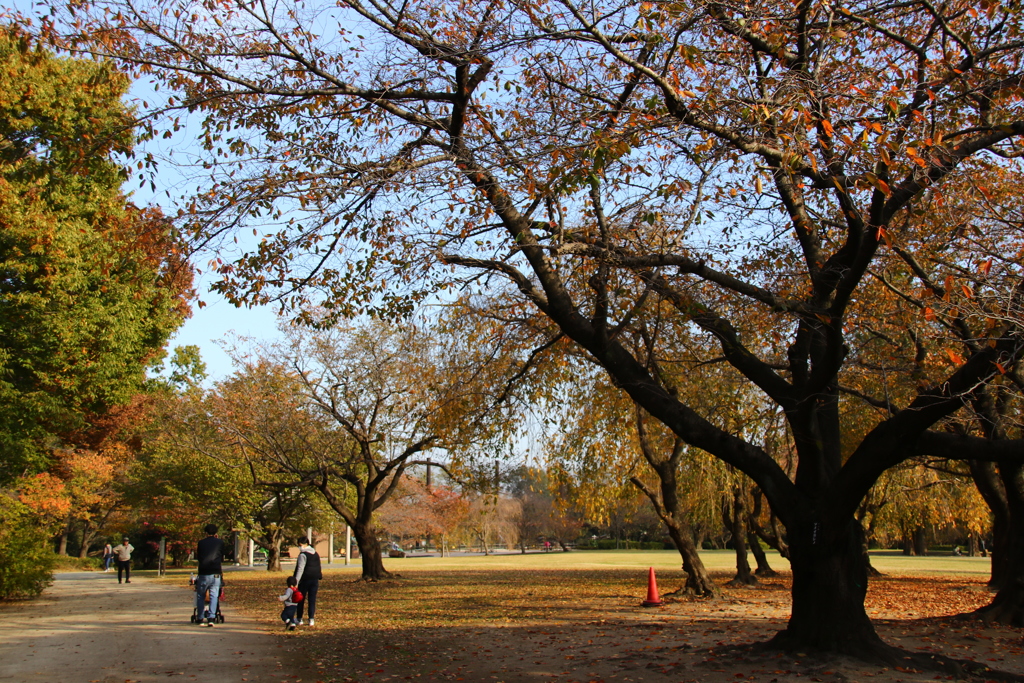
126,567
308,590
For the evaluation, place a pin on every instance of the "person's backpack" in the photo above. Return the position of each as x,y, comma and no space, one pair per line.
297,596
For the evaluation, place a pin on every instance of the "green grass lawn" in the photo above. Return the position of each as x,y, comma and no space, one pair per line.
886,561
665,562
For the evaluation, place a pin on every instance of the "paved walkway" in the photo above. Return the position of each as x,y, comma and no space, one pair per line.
86,628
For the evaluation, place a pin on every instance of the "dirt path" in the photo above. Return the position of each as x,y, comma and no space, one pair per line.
86,628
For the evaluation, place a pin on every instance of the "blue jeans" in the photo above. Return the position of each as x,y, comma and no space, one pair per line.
207,582
288,614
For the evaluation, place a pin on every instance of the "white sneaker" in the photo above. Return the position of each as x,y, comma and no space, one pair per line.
311,622
299,622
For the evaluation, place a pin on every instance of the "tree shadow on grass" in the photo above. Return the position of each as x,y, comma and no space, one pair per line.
587,626
706,650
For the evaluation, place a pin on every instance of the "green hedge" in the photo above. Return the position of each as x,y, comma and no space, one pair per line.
610,543
26,561
63,563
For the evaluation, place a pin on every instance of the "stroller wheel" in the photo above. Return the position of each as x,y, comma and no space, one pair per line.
220,618
192,618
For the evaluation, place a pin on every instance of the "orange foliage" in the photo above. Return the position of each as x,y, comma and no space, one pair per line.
45,495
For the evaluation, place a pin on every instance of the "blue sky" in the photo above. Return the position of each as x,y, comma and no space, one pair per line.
218,321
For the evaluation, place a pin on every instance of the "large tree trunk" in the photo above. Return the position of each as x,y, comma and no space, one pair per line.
698,581
763,568
669,510
274,558
271,542
1007,607
867,558
830,582
779,541
87,536
867,512
91,529
62,540
757,533
987,480
83,552
369,550
89,533
362,526
737,524
920,541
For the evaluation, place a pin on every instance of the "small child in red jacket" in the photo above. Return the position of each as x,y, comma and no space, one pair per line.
291,599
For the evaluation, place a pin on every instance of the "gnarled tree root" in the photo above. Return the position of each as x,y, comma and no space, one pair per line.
690,592
998,612
742,581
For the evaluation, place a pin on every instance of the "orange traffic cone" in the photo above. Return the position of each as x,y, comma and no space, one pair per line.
653,599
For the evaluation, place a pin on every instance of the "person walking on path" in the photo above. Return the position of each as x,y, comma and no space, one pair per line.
209,553
123,554
108,557
307,575
81,631
291,600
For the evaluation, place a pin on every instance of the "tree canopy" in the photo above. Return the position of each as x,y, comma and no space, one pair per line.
630,173
91,287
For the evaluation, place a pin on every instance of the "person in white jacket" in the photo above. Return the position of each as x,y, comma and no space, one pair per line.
307,575
123,554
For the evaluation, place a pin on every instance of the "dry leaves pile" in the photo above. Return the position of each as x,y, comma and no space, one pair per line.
588,626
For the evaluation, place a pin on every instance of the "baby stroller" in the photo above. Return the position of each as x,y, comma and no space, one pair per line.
218,618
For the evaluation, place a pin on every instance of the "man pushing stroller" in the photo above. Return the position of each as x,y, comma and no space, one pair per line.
209,553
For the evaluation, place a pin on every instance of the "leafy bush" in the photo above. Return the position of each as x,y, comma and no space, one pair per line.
63,563
610,543
26,562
